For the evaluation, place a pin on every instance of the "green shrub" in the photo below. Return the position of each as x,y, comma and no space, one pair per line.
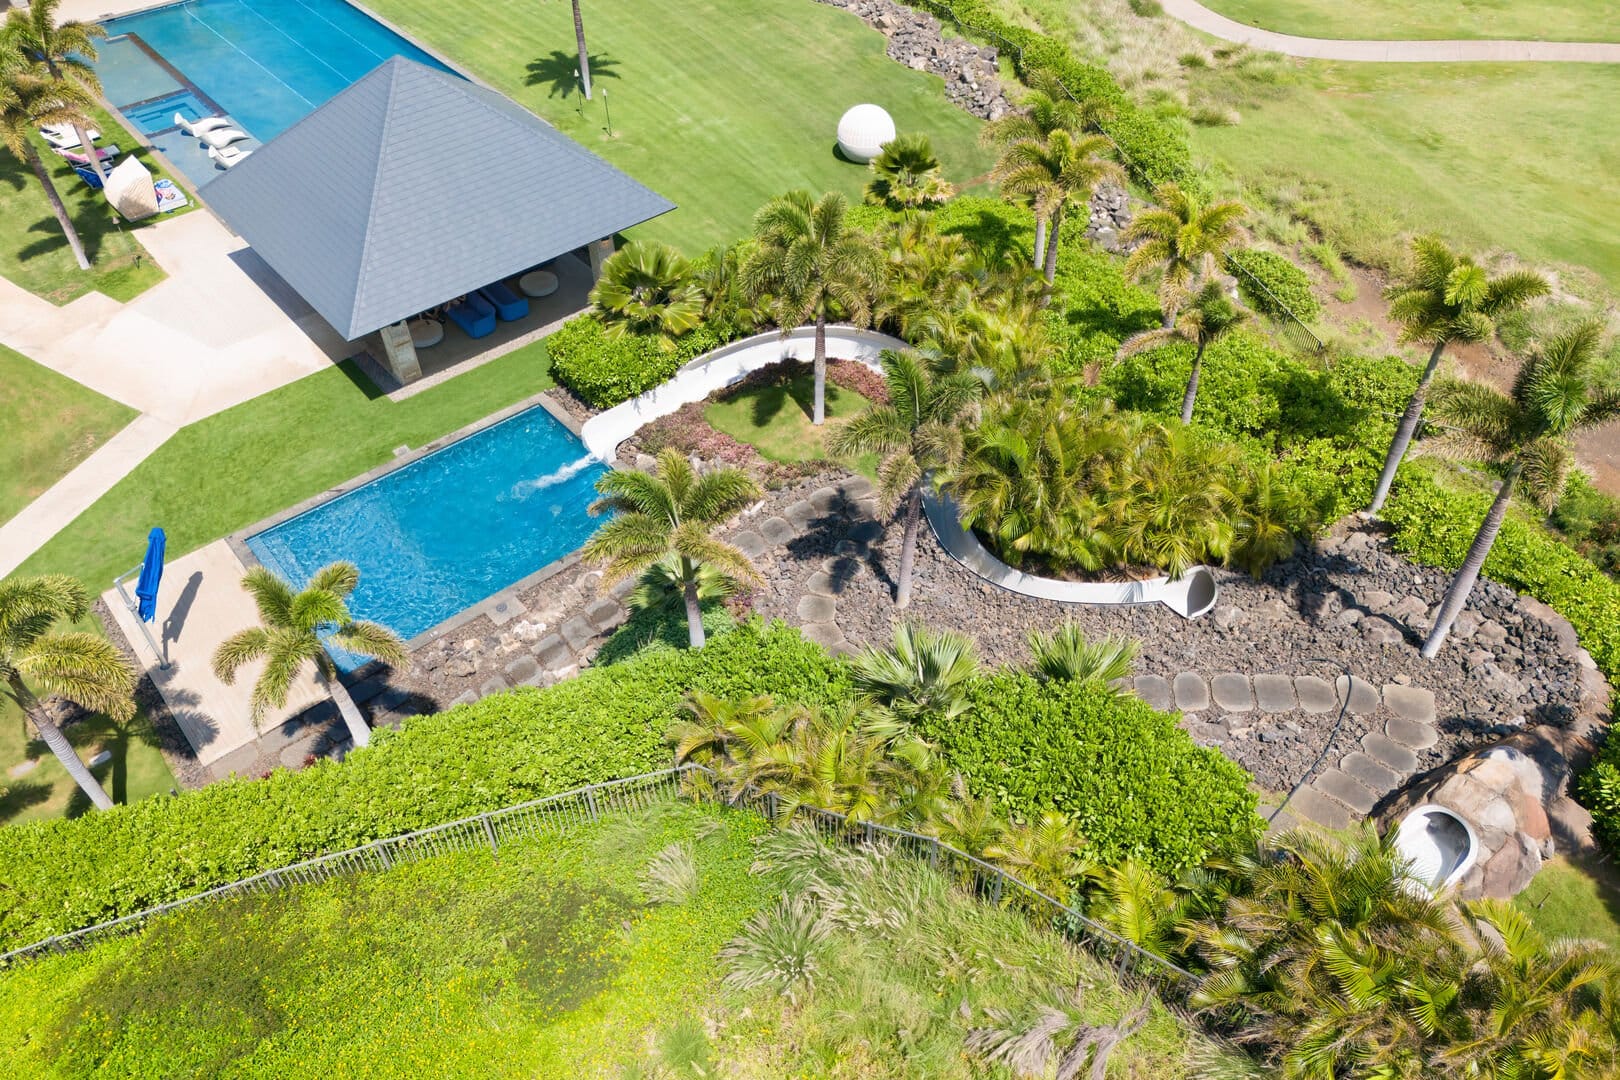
604,371
1098,307
608,722
1590,520
1282,288
1132,781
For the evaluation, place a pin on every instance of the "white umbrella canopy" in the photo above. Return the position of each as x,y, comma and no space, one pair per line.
129,188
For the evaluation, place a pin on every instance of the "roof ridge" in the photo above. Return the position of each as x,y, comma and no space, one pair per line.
394,64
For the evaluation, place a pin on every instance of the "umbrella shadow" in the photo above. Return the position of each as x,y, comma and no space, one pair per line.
175,621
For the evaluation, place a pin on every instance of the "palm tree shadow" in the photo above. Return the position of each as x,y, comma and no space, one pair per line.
767,404
18,796
560,72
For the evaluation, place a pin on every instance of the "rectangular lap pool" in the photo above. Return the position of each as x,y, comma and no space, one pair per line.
264,63
452,528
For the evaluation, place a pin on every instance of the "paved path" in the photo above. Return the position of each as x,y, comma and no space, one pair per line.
1200,17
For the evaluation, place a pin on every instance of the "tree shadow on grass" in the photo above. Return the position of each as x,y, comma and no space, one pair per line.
18,795
558,72
770,401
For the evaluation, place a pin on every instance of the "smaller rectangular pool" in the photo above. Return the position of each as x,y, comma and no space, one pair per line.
450,529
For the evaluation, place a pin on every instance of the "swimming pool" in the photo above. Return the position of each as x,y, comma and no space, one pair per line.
450,529
264,63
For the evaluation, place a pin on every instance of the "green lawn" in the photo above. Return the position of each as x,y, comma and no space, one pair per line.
137,768
1575,898
775,420
51,423
717,104
1544,20
241,465
35,254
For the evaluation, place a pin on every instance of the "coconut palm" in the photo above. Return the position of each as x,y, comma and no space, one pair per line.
924,674
648,288
27,100
1065,655
815,267
81,667
1210,316
289,637
906,176
65,50
1445,297
917,432
671,513
1554,396
584,54
1055,173
1048,108
1182,237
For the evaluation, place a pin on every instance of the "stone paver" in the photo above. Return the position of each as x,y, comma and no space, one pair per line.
1274,693
1386,751
1155,690
523,671
1346,789
1371,774
1314,806
465,699
1231,692
856,487
552,652
866,532
825,634
826,499
817,609
1363,694
776,531
577,632
1191,692
1315,695
750,543
822,583
800,514
1411,733
1410,702
492,685
604,613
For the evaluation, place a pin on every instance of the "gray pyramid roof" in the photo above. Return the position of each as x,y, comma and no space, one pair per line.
414,186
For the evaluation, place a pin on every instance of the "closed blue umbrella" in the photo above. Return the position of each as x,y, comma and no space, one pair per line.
146,589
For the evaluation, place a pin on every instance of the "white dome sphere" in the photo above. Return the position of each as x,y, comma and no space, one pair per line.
863,130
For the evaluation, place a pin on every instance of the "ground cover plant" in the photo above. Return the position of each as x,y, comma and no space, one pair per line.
727,81
51,423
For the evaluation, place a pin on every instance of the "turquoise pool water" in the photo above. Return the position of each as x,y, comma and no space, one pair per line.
264,63
450,529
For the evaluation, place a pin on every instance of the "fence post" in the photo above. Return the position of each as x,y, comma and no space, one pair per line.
995,889
933,853
489,831
590,801
382,853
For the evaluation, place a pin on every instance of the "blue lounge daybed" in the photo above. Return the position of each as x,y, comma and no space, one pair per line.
473,314
508,304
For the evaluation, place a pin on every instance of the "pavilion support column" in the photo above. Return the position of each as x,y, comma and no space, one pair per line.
401,352
600,252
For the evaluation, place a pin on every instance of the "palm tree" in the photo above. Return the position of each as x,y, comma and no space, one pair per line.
1048,108
584,54
648,288
1445,297
27,100
1045,854
924,674
1185,238
1175,506
65,50
1211,315
1054,173
917,432
290,637
1555,395
671,513
906,176
816,267
80,667
1064,654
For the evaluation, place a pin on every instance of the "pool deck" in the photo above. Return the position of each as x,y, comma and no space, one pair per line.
200,603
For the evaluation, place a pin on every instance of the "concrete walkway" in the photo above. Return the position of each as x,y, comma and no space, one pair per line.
1200,17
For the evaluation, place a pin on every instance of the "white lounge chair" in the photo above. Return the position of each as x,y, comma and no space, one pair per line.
197,127
228,156
220,138
63,137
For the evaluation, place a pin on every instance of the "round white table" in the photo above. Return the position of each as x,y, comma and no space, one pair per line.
538,283
426,333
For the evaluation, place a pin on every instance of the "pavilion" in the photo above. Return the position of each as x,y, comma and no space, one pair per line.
414,187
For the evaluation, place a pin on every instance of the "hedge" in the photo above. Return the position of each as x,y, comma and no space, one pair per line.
1132,780
1287,288
604,371
608,722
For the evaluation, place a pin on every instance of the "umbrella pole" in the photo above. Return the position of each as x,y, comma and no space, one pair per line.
134,609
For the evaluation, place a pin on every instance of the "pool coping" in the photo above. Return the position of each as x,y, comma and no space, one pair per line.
492,605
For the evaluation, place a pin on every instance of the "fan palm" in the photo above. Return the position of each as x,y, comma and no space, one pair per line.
924,674
1445,297
1135,903
1054,173
1555,395
906,176
27,100
81,667
917,432
647,288
1064,654
65,50
815,267
290,637
1210,317
1182,237
671,513
1046,109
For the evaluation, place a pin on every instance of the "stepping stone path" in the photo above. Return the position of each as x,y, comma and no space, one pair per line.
1343,793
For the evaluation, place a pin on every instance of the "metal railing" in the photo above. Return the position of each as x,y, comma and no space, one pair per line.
558,813
943,10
